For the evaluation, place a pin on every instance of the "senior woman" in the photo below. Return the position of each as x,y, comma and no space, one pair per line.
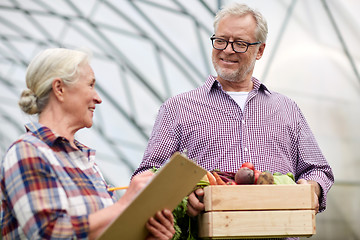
51,187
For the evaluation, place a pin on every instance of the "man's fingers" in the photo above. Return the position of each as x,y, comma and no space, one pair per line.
194,205
316,198
302,181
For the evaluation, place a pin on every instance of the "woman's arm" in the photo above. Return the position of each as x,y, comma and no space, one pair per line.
161,226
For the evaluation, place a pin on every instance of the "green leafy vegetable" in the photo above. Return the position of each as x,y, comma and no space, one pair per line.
280,178
186,227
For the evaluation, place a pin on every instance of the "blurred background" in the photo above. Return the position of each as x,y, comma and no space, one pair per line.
145,51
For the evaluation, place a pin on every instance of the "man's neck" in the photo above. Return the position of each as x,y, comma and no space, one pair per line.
236,86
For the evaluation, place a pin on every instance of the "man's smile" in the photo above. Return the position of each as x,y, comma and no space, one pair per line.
228,61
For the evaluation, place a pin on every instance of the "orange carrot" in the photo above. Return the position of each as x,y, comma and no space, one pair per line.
219,181
211,178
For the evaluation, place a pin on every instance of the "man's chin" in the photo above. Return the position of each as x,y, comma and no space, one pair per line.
231,77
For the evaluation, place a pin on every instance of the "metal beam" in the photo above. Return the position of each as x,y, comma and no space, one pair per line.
341,39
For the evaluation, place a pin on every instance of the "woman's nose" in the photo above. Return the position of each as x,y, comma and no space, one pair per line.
97,98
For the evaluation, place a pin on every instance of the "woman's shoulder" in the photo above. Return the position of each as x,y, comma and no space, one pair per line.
27,142
29,139
25,148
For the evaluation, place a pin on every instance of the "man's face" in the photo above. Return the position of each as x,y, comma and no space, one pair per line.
232,66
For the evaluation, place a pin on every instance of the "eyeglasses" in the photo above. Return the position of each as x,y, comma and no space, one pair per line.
237,46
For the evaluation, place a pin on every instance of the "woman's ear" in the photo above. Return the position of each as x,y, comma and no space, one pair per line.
58,88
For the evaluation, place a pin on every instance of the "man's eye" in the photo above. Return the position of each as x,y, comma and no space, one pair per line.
240,44
220,41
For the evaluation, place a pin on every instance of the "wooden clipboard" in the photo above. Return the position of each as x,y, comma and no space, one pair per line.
175,180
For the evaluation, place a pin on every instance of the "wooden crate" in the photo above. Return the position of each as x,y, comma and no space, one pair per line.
258,211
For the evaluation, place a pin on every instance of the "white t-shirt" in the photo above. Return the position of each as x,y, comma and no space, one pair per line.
239,98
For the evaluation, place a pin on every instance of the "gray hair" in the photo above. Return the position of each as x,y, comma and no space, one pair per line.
239,9
43,69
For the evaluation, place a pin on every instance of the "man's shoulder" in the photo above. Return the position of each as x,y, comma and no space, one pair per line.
196,93
275,95
279,100
282,97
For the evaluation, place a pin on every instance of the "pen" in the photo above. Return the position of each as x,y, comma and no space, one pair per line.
111,189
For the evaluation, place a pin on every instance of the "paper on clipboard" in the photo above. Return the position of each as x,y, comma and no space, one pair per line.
175,180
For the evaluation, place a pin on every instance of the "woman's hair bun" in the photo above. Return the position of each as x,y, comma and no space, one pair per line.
28,102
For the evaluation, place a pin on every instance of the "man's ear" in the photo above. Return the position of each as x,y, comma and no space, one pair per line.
260,51
58,88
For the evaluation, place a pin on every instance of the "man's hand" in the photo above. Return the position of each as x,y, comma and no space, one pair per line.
317,191
195,204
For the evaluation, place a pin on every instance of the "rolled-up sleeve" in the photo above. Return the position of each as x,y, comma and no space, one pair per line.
312,164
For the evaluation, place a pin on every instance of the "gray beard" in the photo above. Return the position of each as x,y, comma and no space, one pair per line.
234,76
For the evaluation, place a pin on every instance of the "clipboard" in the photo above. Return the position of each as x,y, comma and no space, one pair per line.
174,180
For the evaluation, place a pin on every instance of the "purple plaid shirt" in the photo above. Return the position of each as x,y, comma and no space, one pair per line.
271,132
49,188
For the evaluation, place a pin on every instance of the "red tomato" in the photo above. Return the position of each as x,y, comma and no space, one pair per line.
231,183
248,165
256,175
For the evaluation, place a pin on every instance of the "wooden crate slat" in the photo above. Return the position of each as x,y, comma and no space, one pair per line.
257,224
257,197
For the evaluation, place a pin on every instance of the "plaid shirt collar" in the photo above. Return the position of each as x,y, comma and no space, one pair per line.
51,138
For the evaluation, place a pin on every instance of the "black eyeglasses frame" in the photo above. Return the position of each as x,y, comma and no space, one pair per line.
212,38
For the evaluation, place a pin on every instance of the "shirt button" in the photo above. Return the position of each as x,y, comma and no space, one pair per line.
243,121
245,149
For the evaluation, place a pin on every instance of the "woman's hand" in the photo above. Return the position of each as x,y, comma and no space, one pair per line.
99,220
161,226
137,183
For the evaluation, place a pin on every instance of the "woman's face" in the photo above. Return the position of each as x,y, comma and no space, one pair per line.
81,98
